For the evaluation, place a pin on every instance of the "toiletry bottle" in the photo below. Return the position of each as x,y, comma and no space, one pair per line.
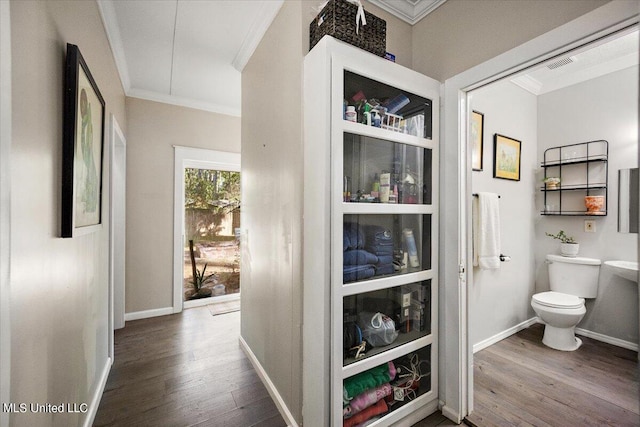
375,189
351,114
410,241
395,193
366,116
385,187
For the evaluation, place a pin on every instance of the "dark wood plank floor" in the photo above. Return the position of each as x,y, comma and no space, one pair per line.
519,381
184,370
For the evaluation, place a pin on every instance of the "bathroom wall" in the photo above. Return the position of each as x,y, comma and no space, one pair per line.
602,108
499,299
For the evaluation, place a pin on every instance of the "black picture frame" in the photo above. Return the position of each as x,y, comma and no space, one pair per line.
82,148
476,134
506,157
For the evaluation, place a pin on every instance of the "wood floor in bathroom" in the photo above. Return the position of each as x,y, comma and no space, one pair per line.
519,381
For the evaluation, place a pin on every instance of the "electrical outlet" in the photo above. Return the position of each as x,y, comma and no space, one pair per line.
589,226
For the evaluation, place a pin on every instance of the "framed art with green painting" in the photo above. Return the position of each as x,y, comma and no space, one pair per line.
82,148
506,157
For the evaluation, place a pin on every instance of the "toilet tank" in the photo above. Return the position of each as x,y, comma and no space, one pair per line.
574,276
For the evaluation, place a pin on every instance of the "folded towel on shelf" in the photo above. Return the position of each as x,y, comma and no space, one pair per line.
384,269
379,408
371,378
486,231
366,399
385,259
351,273
359,257
352,236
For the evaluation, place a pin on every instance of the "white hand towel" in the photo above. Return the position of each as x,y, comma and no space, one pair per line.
486,231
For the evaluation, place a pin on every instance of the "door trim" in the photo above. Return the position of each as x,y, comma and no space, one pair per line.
457,379
117,229
187,157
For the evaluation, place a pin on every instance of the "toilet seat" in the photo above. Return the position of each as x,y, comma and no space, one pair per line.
558,300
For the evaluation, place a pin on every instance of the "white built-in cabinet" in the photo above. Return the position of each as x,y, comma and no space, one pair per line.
369,248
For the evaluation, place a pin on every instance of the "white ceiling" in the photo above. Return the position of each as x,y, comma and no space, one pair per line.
590,62
192,52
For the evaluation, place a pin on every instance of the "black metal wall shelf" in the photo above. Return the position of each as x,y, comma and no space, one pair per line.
590,154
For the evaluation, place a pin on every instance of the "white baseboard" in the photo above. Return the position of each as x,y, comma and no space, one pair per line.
451,414
607,339
137,315
271,388
504,334
92,409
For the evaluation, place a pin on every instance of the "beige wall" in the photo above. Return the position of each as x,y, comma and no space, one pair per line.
154,128
59,287
461,34
271,273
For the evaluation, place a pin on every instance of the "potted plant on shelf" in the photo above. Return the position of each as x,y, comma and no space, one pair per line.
552,182
568,246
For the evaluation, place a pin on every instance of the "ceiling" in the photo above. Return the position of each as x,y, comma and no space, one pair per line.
192,52
597,59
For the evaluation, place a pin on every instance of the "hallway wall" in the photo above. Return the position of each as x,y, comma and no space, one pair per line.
499,299
59,287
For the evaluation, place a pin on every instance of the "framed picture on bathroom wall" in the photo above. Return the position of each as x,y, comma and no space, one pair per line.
506,157
476,136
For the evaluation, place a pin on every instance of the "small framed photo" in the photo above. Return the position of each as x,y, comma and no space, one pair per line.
82,148
506,157
477,138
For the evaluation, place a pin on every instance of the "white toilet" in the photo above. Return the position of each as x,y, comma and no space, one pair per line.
561,309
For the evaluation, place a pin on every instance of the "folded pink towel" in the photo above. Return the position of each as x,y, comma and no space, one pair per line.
366,399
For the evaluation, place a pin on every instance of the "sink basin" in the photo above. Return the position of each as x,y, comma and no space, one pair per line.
625,269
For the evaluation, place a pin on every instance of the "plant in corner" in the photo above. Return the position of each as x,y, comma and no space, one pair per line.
199,277
568,245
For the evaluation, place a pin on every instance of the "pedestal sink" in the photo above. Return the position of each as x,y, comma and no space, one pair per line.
625,269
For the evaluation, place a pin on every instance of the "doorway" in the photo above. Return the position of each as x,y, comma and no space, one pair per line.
212,249
457,376
206,212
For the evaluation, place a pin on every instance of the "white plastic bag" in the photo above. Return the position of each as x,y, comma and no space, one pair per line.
378,329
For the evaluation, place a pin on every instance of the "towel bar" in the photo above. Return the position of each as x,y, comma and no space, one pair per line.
476,195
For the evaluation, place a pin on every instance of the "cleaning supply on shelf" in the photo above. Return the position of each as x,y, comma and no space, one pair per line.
351,115
410,241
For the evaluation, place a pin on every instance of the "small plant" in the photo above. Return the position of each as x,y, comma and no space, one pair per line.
200,279
562,237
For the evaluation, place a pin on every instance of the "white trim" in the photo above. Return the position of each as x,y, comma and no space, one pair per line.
504,334
195,158
607,339
145,314
611,17
183,102
110,22
271,388
211,301
117,158
451,414
268,12
5,207
409,11
97,394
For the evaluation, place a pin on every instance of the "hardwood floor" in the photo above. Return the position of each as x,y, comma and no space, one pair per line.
519,381
184,370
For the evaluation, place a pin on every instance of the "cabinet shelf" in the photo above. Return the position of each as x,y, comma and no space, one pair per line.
583,171
388,135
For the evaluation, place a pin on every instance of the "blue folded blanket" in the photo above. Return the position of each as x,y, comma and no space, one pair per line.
359,257
352,236
357,272
384,269
385,259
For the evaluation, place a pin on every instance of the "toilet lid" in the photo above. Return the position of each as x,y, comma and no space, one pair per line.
558,300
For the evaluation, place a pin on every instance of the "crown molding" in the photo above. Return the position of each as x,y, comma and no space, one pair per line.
266,15
110,23
183,102
410,11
